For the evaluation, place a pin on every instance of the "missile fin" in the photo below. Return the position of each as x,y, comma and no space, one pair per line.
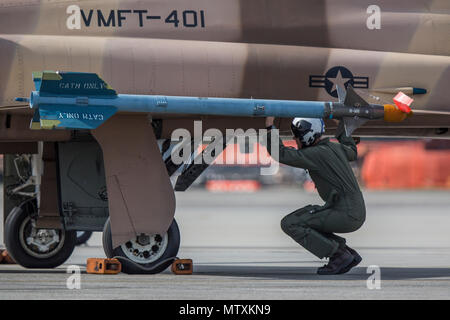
73,117
352,99
353,123
49,124
341,93
37,79
36,120
50,83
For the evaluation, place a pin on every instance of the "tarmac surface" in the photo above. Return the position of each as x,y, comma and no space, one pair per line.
240,252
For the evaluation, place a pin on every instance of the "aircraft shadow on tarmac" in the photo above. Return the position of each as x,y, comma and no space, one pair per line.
33,271
309,273
280,272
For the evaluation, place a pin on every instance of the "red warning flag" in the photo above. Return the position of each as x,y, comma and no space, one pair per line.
402,101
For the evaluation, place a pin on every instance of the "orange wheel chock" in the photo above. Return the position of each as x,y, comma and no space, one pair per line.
6,258
103,266
182,266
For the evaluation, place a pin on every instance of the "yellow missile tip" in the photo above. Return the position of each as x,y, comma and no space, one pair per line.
393,114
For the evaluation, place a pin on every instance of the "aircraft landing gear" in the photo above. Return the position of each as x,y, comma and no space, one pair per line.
32,247
146,253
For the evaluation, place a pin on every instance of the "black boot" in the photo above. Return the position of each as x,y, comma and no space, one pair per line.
340,260
356,260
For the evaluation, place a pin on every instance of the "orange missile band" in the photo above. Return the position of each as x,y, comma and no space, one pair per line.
393,114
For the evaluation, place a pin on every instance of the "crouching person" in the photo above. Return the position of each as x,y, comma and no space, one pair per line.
314,226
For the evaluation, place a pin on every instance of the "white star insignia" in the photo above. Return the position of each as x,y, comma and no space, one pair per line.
338,81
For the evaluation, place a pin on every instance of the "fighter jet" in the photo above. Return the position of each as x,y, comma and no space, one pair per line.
112,172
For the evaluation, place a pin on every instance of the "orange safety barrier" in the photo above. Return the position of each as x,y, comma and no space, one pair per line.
257,154
406,165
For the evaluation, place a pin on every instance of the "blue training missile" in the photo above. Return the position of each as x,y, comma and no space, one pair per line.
75,100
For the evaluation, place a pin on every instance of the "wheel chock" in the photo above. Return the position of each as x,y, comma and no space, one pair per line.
182,266
103,266
6,258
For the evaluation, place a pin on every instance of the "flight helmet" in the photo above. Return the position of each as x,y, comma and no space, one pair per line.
307,130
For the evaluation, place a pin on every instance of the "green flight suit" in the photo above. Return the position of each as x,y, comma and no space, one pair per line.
344,211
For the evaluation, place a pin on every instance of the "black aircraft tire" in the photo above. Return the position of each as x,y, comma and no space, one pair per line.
83,237
157,266
16,224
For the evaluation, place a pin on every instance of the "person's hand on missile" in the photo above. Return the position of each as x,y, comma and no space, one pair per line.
269,121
